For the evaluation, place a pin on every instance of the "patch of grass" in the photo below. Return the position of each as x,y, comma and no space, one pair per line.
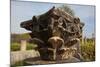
16,46
88,51
31,46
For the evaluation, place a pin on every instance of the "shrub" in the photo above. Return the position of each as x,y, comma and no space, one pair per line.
88,51
15,46
30,46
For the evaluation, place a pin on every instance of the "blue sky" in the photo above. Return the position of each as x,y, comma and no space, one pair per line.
21,11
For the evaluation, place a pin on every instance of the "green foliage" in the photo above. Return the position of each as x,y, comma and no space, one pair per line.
31,46
19,37
24,36
88,51
67,8
16,41
15,46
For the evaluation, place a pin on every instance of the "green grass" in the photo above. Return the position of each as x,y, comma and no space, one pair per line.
88,51
31,46
16,46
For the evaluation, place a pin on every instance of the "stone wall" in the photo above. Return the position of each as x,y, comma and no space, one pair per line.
16,56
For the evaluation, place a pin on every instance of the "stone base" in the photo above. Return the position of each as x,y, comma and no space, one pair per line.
38,61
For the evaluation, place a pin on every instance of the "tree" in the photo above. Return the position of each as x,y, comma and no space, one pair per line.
67,8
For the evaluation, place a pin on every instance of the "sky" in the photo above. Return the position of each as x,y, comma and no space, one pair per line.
22,11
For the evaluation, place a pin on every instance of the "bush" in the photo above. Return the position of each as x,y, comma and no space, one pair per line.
15,46
88,51
30,46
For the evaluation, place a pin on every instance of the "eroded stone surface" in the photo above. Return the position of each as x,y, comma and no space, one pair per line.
56,33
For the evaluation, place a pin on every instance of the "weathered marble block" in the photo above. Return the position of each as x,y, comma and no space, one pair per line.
56,33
